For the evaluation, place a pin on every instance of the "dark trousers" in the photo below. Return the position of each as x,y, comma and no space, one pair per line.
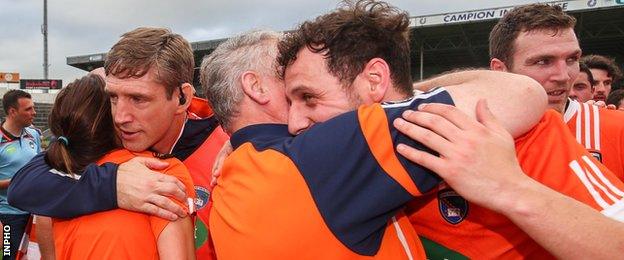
13,227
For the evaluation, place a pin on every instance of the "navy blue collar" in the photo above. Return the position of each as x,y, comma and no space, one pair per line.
259,132
195,132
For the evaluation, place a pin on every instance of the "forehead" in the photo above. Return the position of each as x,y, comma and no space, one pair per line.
582,76
546,42
600,73
309,70
147,84
25,102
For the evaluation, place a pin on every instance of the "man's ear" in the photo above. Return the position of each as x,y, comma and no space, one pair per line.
498,65
185,97
253,87
12,111
376,76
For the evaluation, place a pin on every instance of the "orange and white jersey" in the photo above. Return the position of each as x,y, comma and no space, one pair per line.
451,227
600,131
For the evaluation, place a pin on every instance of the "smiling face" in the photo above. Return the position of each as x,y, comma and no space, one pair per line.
315,95
550,58
143,113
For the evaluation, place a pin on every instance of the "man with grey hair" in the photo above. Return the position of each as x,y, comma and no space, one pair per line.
242,60
339,185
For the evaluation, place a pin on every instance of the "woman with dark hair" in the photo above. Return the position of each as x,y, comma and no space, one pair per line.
81,119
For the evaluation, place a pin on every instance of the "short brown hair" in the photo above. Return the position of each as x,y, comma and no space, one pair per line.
81,115
604,63
142,49
351,36
523,19
11,99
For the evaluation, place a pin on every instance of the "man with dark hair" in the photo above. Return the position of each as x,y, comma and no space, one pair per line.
149,73
518,35
338,186
19,143
583,87
606,72
319,91
616,98
541,43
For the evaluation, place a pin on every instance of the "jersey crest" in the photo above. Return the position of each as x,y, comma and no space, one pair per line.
201,198
453,207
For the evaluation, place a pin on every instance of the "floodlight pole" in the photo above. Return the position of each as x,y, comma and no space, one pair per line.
422,60
44,31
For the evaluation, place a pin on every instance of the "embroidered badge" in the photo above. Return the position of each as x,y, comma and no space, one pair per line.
453,207
203,195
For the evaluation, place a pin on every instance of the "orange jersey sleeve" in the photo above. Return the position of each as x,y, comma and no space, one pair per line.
549,154
178,170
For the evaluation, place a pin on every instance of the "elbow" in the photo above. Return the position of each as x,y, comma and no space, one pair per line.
532,103
13,197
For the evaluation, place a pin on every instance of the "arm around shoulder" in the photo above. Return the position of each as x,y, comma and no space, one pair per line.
517,101
38,189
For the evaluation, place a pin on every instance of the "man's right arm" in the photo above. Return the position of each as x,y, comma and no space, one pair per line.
39,189
478,161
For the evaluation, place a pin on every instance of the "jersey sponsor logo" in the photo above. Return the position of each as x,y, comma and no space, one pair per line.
10,150
452,206
203,195
596,154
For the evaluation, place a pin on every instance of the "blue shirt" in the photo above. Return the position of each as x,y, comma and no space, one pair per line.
15,152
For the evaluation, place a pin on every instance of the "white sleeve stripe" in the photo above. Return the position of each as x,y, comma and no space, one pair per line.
586,112
578,126
601,176
409,101
576,167
596,128
571,110
615,211
600,186
402,238
60,173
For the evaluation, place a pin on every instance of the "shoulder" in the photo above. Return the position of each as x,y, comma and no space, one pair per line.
178,169
612,119
35,132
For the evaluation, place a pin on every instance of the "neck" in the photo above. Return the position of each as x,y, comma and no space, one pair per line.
171,137
254,116
12,127
393,95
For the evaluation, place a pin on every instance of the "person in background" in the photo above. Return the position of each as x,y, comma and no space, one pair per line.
616,98
583,87
605,72
19,143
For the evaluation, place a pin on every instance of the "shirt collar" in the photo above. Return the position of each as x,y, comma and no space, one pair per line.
257,133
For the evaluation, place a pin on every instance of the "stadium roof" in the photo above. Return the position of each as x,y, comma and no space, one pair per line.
453,40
